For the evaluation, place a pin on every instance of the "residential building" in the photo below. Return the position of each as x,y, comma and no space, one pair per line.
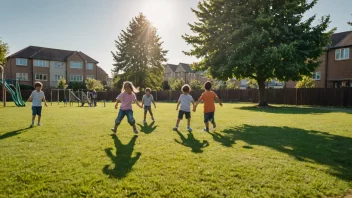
50,65
335,70
183,71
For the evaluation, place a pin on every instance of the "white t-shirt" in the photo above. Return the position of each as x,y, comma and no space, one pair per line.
185,102
148,100
37,98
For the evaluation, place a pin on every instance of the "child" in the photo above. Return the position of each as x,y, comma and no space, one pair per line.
209,107
65,101
36,98
185,100
147,101
126,97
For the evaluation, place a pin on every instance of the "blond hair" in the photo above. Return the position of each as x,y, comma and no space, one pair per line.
128,84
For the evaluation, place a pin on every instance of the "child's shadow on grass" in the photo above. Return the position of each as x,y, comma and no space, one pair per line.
192,142
225,140
123,159
147,129
12,133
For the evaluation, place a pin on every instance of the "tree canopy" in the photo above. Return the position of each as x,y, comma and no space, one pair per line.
4,50
140,55
257,39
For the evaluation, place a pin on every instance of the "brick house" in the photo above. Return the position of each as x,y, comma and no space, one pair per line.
49,65
335,70
184,71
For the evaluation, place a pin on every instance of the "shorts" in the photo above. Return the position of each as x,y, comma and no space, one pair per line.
36,110
147,108
209,117
181,113
128,114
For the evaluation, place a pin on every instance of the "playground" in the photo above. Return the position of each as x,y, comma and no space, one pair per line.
275,152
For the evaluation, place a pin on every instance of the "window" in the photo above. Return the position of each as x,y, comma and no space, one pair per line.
90,76
90,66
21,61
22,76
58,77
342,54
316,76
76,78
41,63
58,64
76,65
41,77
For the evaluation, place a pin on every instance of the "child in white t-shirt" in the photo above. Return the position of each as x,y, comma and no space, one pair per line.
36,98
185,101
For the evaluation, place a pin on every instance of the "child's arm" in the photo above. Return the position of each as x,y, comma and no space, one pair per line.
194,106
137,103
178,104
154,103
218,100
44,100
142,101
30,99
199,100
117,103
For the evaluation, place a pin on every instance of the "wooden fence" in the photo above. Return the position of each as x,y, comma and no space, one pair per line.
314,96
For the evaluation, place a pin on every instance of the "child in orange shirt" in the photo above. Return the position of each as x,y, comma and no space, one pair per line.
209,106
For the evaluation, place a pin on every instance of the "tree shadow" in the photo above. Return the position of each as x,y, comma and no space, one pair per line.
147,129
225,140
291,110
12,133
192,142
310,146
123,159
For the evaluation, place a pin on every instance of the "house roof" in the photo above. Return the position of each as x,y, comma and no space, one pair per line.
338,37
44,53
186,67
172,67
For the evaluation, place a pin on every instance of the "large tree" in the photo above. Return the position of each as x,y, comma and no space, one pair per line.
140,55
257,39
4,49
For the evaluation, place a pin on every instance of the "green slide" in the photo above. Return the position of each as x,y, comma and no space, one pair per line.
16,94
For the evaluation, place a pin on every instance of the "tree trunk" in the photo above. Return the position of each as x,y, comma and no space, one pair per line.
262,102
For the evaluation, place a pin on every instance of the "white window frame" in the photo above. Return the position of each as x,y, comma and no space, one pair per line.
40,63
21,61
90,76
58,64
58,77
74,78
91,66
22,76
42,77
76,65
315,74
342,54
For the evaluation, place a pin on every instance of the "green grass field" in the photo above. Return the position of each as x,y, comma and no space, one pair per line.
277,152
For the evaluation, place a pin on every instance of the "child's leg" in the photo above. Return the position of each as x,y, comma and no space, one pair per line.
118,120
33,119
150,112
145,113
206,125
189,122
39,119
178,122
39,113
130,119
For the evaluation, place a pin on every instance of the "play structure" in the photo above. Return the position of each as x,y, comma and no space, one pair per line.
68,96
15,91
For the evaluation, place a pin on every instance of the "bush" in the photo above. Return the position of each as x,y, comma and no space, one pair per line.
61,84
231,85
92,84
196,85
176,84
76,85
306,82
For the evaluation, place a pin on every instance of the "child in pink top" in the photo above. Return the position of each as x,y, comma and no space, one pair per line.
126,98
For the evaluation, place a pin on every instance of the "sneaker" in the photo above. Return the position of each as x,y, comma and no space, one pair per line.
32,125
135,132
39,124
113,130
214,126
206,130
189,129
175,129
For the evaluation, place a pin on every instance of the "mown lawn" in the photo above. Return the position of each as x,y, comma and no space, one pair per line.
279,152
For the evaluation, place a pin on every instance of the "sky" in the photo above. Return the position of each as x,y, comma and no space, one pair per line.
91,26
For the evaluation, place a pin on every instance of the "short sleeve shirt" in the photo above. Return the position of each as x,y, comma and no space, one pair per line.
37,98
126,100
148,100
185,102
208,97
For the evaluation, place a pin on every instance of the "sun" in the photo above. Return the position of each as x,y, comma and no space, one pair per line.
159,12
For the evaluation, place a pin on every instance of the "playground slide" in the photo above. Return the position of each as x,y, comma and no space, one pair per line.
74,96
16,95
